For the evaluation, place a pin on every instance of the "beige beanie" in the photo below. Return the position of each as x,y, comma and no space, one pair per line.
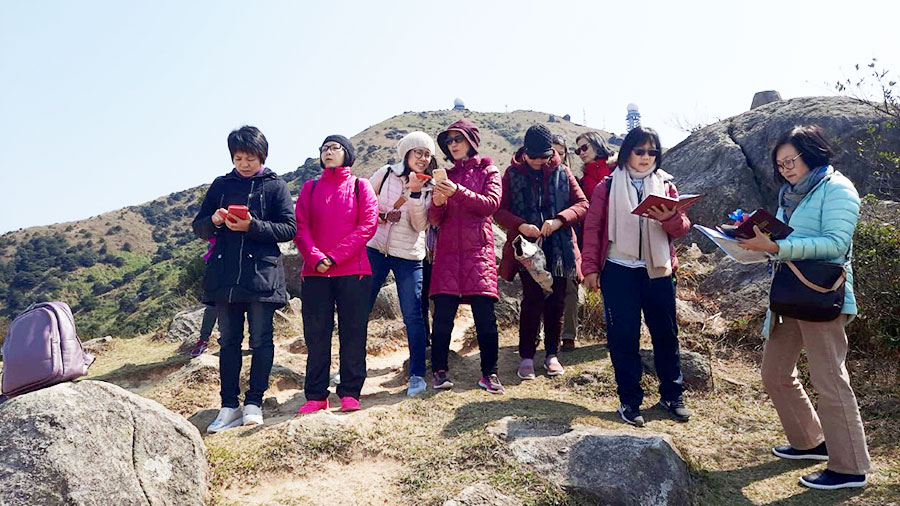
414,140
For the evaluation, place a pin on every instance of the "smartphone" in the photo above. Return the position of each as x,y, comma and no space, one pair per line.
423,177
439,175
240,211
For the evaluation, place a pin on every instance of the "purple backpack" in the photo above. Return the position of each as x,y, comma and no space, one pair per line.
42,349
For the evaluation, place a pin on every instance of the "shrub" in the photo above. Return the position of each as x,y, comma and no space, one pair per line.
876,284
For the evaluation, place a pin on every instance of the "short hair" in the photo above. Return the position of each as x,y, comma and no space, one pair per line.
638,136
601,147
810,142
561,140
248,139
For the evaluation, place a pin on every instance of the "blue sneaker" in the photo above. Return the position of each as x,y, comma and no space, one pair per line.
830,480
416,386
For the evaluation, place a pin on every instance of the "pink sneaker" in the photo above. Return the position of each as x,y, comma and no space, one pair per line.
312,407
349,404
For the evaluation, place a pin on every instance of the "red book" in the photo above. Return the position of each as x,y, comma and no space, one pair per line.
768,224
683,202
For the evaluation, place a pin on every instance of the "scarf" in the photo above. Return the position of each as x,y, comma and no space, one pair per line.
633,235
791,195
535,202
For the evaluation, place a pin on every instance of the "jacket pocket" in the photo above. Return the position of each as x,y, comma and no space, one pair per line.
267,274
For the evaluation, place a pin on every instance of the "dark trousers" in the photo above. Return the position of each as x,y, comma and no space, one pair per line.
320,295
626,293
231,335
426,287
445,307
208,323
536,306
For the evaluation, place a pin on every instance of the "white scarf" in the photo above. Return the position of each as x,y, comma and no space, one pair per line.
629,231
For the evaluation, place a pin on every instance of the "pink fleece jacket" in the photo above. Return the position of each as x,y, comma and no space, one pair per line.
334,222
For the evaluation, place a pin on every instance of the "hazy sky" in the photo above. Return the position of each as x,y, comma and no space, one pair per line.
109,104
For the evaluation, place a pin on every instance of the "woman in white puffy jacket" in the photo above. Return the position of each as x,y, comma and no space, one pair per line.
403,192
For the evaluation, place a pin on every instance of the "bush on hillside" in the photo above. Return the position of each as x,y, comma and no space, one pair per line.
876,283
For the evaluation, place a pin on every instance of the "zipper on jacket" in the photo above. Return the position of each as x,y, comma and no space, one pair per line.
241,251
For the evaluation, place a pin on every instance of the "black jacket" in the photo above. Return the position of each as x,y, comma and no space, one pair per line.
244,266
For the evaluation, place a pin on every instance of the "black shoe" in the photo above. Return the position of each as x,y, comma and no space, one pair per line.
676,409
830,480
631,415
789,452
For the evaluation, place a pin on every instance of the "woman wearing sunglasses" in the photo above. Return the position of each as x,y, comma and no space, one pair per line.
465,264
403,190
595,153
541,201
632,260
336,215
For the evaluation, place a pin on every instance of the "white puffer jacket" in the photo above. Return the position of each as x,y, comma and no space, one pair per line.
406,238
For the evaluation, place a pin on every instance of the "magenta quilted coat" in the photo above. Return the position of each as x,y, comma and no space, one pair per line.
464,260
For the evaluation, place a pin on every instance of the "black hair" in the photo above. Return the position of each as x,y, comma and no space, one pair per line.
432,164
561,140
601,147
811,144
637,137
248,139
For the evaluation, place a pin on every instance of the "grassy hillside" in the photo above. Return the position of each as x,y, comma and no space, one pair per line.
126,272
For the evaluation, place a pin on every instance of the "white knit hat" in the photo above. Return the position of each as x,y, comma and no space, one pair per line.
414,140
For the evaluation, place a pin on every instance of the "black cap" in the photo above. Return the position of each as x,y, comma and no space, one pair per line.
349,152
538,142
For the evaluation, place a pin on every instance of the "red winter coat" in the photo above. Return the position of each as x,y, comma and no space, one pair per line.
596,230
509,266
465,263
594,172
336,222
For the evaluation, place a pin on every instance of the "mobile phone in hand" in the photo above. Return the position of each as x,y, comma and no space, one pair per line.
239,211
439,175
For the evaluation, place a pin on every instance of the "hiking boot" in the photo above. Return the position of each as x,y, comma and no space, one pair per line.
553,367
631,415
199,348
567,345
491,384
676,409
312,407
830,480
441,380
526,369
791,453
227,418
416,386
252,415
349,404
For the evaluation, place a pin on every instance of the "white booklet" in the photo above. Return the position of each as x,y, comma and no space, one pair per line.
731,248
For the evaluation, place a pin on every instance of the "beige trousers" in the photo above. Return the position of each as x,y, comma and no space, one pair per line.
837,422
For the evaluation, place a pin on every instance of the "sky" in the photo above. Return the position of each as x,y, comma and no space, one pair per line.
105,104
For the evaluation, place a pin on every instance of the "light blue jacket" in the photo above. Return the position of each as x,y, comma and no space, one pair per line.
823,223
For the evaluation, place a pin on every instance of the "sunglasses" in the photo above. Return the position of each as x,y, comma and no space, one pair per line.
642,152
455,139
581,149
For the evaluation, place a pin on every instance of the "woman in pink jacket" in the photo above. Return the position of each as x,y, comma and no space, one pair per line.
632,260
336,214
465,264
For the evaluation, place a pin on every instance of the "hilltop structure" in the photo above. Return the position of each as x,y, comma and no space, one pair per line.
458,104
633,118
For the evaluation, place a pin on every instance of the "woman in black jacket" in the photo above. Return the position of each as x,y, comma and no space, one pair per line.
243,275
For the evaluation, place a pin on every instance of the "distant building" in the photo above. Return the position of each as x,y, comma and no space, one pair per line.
633,118
567,117
459,104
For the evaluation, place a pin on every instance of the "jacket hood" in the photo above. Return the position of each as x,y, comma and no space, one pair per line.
266,174
466,128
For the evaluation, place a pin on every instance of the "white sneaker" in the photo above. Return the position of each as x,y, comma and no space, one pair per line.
252,415
228,418
416,386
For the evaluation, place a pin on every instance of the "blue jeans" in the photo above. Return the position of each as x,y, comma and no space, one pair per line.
231,335
408,274
627,293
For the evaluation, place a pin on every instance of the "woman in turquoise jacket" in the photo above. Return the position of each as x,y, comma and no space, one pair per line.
822,206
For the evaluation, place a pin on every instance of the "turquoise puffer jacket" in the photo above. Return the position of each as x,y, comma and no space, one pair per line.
823,224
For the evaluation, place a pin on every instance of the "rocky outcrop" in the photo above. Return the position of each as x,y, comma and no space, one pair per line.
185,327
620,467
93,443
761,98
695,368
292,261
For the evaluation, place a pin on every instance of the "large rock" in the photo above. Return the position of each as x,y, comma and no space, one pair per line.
93,443
387,303
729,162
621,467
185,327
481,494
695,368
761,98
292,261
740,291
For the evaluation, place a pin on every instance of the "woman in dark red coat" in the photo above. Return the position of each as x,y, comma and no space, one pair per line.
465,264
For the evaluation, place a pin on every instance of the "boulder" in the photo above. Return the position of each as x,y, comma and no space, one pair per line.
622,467
387,303
185,327
761,98
740,291
481,494
97,346
91,442
292,261
695,368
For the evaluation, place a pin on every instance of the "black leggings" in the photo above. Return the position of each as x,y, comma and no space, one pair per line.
445,307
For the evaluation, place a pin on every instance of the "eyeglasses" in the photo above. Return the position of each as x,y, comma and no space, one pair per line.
642,152
421,153
787,164
581,149
455,139
330,147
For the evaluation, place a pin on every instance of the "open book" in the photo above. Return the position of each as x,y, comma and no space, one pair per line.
767,223
683,202
731,248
